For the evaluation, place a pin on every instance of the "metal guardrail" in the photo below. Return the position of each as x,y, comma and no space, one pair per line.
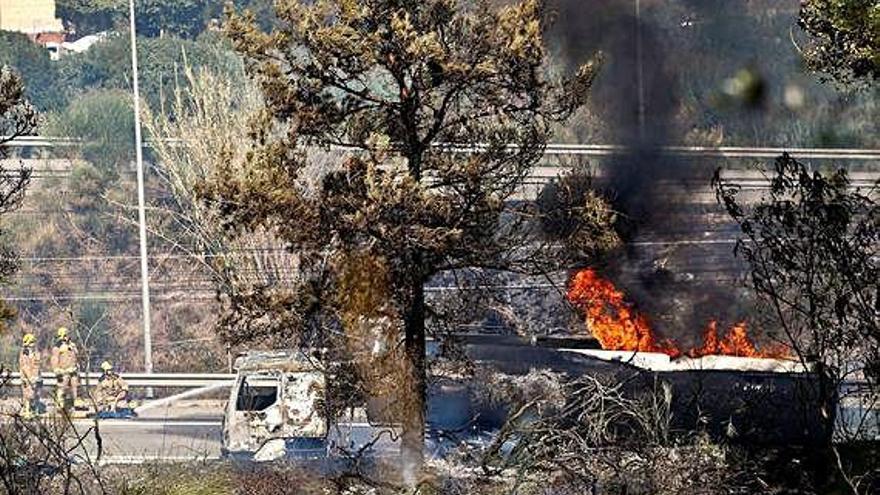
39,142
196,380
571,149
156,380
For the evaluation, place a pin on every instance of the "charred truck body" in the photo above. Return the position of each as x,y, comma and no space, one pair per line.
277,409
753,401
277,406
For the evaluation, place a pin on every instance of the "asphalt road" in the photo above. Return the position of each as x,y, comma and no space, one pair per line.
153,439
188,430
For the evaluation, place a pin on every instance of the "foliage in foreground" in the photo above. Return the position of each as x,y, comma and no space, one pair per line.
845,36
812,245
589,435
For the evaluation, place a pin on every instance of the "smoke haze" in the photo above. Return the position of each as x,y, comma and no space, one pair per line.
637,98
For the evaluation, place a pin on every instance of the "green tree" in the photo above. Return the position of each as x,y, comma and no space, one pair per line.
103,123
405,83
263,10
184,18
92,16
107,65
154,18
162,63
32,62
845,38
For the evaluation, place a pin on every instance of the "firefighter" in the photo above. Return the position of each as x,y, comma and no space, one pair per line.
66,368
112,390
29,371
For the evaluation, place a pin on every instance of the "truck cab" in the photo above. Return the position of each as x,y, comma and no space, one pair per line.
275,408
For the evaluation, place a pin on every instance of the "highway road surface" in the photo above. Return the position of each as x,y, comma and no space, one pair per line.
185,432
153,439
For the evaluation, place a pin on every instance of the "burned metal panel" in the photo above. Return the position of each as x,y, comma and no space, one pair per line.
272,404
303,402
255,361
750,407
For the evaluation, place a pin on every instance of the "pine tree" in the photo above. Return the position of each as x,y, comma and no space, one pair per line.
445,106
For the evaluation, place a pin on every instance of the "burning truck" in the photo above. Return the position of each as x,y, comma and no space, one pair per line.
726,387
276,406
755,401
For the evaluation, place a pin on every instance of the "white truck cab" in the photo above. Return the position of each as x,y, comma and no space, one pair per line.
277,409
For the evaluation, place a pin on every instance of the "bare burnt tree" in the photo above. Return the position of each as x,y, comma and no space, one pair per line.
47,456
812,244
17,118
573,210
447,108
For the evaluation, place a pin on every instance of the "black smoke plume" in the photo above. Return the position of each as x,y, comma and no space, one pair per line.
637,97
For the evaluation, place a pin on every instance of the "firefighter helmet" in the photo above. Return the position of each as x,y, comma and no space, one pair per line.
29,339
106,366
62,332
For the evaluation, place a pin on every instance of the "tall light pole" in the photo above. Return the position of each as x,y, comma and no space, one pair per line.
640,72
142,215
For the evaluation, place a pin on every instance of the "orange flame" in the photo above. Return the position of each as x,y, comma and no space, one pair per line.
618,326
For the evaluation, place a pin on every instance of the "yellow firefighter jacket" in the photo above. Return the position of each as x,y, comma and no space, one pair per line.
111,385
64,358
29,365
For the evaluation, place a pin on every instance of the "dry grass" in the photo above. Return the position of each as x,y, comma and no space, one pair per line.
218,479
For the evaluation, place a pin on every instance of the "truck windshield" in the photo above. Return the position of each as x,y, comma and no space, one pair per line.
257,393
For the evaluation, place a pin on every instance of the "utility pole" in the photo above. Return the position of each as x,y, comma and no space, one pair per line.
640,72
142,214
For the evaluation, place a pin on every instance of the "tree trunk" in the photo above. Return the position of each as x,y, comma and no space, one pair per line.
413,441
416,388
